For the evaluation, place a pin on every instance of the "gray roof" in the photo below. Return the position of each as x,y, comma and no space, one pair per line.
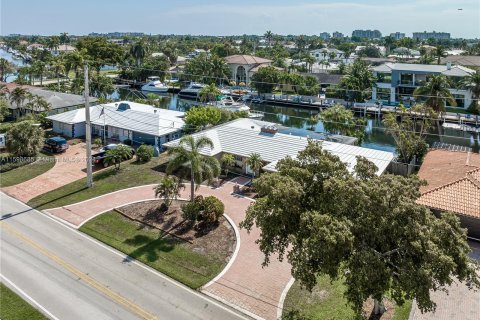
243,137
58,100
470,61
431,68
326,78
138,117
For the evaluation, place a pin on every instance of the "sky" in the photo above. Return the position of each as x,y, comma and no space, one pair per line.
237,17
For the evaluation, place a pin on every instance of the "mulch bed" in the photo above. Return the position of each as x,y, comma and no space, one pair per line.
213,239
387,315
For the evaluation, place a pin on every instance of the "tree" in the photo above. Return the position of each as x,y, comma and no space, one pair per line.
187,154
64,38
255,162
212,209
117,155
168,189
144,153
209,93
6,68
228,160
39,67
37,104
268,36
138,52
439,53
472,83
265,79
18,97
25,139
339,120
4,110
207,69
58,67
370,51
98,142
436,93
409,133
364,229
198,118
358,81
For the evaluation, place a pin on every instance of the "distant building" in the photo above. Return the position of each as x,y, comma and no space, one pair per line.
196,52
337,34
326,54
468,61
244,66
396,82
397,35
325,36
431,35
369,34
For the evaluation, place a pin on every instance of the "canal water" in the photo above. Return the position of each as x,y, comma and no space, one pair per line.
297,119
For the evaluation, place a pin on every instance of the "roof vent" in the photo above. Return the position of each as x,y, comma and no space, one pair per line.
269,129
123,106
449,65
154,110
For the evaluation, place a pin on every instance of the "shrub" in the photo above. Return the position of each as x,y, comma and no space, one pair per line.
191,211
25,139
144,153
213,209
98,142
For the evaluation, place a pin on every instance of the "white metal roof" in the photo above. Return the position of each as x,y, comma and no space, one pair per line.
444,69
136,117
243,137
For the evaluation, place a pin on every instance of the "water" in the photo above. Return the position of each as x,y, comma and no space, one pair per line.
297,119
17,62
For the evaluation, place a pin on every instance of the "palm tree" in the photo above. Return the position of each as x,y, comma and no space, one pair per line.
268,36
59,67
117,155
6,67
64,38
187,154
309,60
209,93
255,162
228,160
18,97
38,104
39,69
439,53
168,189
472,83
3,90
138,51
25,139
437,93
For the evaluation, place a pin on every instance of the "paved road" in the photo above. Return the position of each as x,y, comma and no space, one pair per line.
75,277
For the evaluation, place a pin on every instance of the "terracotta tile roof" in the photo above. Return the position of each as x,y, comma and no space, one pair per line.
246,59
453,182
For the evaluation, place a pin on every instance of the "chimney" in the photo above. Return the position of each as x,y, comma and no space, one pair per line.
154,110
449,65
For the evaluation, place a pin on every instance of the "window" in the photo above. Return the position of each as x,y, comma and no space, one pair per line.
383,94
238,158
459,99
384,77
406,78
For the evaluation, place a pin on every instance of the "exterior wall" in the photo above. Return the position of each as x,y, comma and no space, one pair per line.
62,128
471,224
79,129
118,133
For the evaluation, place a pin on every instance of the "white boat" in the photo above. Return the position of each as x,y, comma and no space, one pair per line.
154,85
192,91
227,103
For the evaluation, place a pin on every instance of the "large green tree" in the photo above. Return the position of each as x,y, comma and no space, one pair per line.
357,82
6,68
472,83
18,96
364,229
187,155
435,92
265,79
25,139
197,118
339,120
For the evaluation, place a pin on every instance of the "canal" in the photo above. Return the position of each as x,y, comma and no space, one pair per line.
297,119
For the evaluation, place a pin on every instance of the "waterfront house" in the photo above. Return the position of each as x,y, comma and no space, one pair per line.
139,123
243,66
59,101
397,81
242,137
453,179
326,54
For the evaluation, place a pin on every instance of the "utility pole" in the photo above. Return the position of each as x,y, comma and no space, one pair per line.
88,130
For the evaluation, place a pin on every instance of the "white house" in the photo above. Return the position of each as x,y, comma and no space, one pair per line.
326,54
244,66
242,137
137,122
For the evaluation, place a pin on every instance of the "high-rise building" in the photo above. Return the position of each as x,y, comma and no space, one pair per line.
370,34
325,35
337,34
431,35
397,35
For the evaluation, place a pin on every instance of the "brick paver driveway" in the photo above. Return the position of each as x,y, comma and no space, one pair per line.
245,284
69,166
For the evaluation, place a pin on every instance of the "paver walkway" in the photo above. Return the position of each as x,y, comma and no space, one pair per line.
245,284
69,166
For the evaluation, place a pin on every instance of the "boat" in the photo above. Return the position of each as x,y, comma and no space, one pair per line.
192,91
154,85
227,103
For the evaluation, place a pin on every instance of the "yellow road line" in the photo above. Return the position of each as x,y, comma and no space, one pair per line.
87,279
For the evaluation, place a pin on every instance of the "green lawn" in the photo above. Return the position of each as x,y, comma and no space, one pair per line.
27,172
130,175
326,301
457,110
166,254
13,307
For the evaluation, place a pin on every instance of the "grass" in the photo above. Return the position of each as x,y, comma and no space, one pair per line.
27,172
13,307
131,174
457,110
326,301
166,254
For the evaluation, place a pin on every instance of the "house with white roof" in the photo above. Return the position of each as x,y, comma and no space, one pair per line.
124,120
327,54
242,137
397,81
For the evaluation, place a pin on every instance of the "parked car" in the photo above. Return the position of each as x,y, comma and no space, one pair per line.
55,145
98,157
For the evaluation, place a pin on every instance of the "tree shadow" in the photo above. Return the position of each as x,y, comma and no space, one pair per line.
149,247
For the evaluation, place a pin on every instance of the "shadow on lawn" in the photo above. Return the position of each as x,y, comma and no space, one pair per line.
149,247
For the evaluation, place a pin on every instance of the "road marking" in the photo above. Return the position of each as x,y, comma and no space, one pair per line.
22,293
87,279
